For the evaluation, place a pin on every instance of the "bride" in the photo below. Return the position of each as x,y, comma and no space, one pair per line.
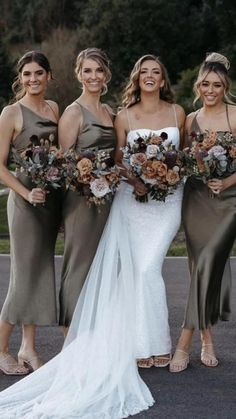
121,314
149,108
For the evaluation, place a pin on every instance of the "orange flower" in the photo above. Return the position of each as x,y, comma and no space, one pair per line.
148,170
172,177
232,152
112,177
209,139
160,168
155,140
85,166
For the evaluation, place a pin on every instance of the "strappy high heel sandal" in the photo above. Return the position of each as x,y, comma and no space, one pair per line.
208,359
9,366
32,363
161,361
145,362
181,364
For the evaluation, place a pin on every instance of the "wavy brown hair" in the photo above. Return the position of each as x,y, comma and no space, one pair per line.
100,57
131,94
220,65
30,56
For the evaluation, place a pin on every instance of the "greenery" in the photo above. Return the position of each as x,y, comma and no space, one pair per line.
181,33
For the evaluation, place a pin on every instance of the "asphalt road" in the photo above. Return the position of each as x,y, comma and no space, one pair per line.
197,393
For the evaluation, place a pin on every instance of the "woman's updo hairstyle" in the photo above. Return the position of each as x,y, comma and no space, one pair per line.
220,65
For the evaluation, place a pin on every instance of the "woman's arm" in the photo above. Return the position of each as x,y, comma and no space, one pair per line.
121,127
219,185
69,126
8,120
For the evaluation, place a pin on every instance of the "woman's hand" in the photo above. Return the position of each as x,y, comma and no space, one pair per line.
218,185
139,187
36,196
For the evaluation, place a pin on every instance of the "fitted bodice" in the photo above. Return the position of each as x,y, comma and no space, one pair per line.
172,132
33,124
94,134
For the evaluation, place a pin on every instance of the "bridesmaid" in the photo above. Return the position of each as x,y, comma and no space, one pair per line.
31,298
86,123
209,224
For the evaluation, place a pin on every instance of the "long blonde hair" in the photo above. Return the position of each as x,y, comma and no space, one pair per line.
100,57
131,94
220,65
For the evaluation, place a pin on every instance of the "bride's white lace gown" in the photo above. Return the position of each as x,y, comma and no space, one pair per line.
121,315
152,227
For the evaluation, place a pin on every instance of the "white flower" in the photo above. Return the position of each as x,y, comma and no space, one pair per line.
151,151
99,187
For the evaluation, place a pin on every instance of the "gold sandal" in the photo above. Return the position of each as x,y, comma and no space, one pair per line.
33,363
208,359
161,361
9,366
181,364
145,362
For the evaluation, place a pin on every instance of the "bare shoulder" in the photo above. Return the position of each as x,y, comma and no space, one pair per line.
189,119
232,110
11,111
121,118
180,110
72,110
180,113
54,106
109,109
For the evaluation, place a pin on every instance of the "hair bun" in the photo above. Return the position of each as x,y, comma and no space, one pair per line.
215,57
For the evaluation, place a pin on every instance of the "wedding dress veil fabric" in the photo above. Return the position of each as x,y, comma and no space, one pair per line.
95,376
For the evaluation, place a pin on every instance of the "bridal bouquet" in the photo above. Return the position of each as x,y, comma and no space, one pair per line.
211,155
41,161
155,161
91,173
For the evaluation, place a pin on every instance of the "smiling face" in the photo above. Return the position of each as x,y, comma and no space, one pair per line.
211,89
34,78
92,76
150,77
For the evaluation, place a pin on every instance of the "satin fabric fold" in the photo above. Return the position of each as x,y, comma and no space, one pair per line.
210,228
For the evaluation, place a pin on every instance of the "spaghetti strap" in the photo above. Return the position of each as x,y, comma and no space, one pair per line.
227,116
54,113
128,118
176,119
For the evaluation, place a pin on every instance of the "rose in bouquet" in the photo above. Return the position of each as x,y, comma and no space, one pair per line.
210,155
155,161
91,173
42,162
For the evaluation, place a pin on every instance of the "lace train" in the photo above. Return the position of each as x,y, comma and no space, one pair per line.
95,375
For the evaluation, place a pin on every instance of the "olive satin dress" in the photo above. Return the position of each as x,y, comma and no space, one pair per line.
83,224
210,228
31,297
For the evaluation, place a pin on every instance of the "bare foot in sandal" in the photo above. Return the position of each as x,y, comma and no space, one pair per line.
145,362
9,366
161,361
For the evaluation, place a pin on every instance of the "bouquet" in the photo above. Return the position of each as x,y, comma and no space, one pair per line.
91,173
155,161
211,155
42,162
